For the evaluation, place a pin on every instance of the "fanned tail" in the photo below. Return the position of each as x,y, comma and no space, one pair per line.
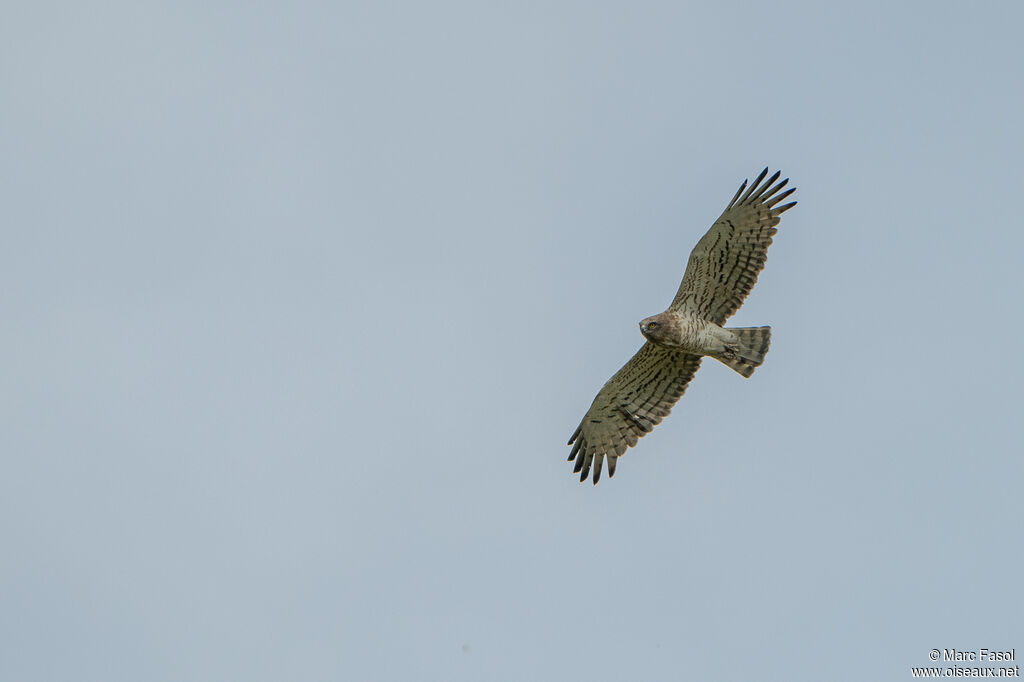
752,348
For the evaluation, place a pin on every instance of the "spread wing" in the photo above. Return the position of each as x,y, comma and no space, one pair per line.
724,265
629,406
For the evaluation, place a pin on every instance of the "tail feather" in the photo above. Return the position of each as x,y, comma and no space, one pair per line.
752,348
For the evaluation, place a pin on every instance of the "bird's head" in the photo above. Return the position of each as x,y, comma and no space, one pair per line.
657,329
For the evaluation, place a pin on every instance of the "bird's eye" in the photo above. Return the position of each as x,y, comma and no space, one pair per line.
652,325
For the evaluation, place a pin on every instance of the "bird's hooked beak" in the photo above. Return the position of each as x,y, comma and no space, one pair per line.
649,325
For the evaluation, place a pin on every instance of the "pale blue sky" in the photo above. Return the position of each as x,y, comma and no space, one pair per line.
303,300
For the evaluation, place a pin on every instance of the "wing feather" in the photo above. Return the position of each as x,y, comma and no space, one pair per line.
629,406
726,262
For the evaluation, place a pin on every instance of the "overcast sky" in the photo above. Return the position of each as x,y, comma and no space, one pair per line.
302,301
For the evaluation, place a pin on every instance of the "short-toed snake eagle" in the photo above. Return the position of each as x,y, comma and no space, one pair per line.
722,270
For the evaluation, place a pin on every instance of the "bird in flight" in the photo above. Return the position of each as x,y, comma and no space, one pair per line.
722,270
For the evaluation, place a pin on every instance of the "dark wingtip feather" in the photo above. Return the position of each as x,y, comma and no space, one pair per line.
775,200
783,209
575,448
766,196
736,196
754,185
767,189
